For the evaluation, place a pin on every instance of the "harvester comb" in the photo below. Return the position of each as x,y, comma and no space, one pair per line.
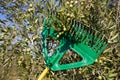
85,41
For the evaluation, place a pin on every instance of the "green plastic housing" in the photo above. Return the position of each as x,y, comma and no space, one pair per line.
88,44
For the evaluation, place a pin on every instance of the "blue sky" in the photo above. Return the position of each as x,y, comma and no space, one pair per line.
2,17
2,14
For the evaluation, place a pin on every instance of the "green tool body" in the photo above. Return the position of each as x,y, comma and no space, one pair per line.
86,42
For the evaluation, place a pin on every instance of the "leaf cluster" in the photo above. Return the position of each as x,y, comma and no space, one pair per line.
20,43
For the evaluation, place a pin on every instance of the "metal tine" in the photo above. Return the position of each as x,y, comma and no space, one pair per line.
86,32
98,42
84,35
100,51
93,38
90,42
102,38
88,37
78,33
100,45
82,28
104,41
70,24
91,32
79,27
103,45
73,29
95,44
81,32
96,39
77,30
97,35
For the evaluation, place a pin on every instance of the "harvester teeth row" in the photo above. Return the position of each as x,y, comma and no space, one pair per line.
86,35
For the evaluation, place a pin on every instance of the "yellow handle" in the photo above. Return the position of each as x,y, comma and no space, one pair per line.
43,74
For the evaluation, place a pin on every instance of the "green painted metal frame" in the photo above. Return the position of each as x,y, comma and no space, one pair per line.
88,51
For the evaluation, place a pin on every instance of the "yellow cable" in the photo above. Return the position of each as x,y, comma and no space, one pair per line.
43,74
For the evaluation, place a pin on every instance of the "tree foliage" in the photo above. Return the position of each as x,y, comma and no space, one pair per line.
20,43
